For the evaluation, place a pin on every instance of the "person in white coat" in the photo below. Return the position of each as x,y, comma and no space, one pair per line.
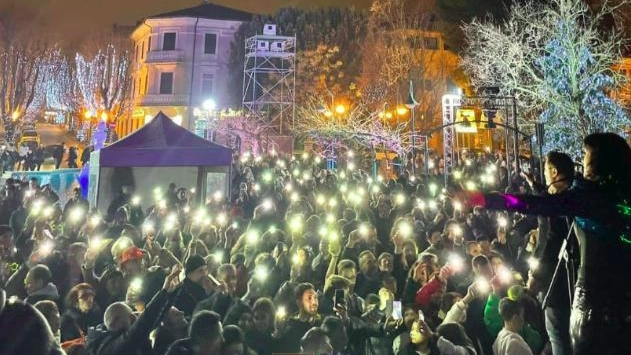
508,341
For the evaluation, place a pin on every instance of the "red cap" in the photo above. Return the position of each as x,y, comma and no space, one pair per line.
132,253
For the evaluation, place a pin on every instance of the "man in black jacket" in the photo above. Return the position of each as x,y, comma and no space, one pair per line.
192,291
559,172
306,318
121,336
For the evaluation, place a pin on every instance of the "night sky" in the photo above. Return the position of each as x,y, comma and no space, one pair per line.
74,19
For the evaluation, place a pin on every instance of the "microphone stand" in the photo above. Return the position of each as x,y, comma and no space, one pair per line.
563,257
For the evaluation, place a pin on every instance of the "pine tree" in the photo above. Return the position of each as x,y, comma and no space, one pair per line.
577,92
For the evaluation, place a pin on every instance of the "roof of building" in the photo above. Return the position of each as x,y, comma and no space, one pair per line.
209,11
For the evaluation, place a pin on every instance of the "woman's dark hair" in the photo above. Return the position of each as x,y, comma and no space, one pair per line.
611,160
72,299
455,333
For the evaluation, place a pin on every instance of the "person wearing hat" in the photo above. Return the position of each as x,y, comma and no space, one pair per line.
192,292
131,262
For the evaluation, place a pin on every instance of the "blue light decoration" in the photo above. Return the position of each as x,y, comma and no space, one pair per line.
98,141
576,87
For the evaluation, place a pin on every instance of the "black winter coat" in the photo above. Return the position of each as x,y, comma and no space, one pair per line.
74,322
135,340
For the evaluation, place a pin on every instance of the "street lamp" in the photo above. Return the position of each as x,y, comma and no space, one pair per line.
411,105
203,118
340,109
209,105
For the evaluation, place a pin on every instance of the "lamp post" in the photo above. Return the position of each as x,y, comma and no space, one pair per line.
411,105
209,107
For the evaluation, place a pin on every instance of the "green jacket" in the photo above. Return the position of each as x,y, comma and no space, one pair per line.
494,324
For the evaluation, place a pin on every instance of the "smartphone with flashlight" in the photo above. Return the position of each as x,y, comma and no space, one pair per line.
339,297
214,280
397,310
421,316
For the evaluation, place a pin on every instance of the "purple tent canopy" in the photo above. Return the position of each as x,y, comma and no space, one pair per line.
161,142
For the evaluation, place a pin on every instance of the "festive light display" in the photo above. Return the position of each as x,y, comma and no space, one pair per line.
356,127
557,62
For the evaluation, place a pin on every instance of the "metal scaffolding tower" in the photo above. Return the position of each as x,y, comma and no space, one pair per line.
269,78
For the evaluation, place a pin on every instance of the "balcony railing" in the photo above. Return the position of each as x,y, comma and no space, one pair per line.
165,56
164,100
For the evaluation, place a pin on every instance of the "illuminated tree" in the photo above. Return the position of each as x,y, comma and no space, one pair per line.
60,83
250,130
558,63
103,70
22,53
356,127
403,44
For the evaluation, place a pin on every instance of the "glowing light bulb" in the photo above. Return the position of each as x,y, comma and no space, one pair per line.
252,237
456,262
95,220
46,247
405,229
222,219
505,275
332,202
136,285
533,263
295,224
281,312
218,257
261,273
295,259
267,204
76,214
96,242
482,285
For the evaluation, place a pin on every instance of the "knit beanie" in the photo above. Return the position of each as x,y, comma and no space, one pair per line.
193,263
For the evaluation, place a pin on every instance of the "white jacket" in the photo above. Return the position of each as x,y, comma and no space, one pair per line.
510,343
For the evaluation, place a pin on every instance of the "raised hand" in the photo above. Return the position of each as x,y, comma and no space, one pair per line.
172,282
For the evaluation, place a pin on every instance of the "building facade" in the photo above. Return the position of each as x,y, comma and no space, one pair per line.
181,61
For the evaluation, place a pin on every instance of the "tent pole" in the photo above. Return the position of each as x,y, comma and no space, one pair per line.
201,185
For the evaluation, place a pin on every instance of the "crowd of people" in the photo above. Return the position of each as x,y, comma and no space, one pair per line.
31,157
301,259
